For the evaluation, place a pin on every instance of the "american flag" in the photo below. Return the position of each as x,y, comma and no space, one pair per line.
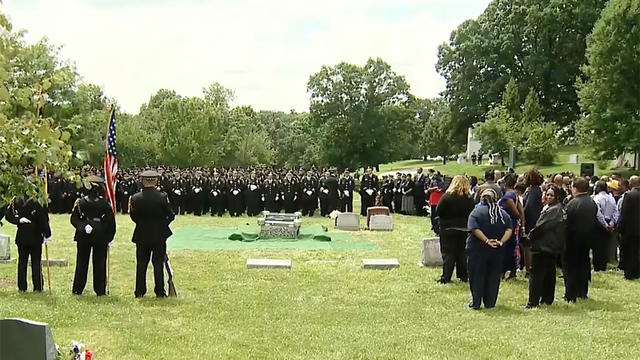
111,162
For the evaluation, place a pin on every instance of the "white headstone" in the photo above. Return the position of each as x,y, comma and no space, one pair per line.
574,159
380,264
22,339
268,264
348,221
5,247
431,255
381,222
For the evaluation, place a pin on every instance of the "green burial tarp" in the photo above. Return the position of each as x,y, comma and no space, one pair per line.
246,237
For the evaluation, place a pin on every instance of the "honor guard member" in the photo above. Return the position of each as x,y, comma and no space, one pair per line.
346,185
323,194
309,194
32,221
419,192
198,187
368,190
236,187
331,184
252,195
95,226
271,193
152,214
290,188
178,193
217,192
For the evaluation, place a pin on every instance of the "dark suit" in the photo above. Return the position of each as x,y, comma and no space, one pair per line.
96,212
151,212
29,239
582,226
419,195
629,228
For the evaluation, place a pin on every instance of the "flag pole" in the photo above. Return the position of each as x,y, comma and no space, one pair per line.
46,193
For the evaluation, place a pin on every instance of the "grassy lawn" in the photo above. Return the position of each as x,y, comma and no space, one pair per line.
453,168
329,311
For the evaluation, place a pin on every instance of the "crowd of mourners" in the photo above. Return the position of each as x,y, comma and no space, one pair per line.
537,224
217,191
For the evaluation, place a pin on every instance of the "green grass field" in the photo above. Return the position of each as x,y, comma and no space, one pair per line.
561,164
329,311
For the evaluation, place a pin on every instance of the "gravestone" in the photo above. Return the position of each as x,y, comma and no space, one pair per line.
376,210
5,247
381,223
574,159
22,339
431,255
348,221
276,225
380,264
268,264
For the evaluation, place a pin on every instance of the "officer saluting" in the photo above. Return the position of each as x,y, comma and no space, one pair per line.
151,212
95,228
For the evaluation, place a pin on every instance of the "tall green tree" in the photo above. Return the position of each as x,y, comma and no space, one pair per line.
540,44
438,133
31,77
610,97
356,109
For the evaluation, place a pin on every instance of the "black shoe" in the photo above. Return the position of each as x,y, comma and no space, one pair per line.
530,306
442,281
473,307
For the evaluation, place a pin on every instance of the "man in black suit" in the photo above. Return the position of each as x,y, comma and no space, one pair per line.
32,221
582,225
629,229
368,191
151,211
419,192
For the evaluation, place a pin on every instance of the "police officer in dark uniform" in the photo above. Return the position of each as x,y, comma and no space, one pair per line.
217,192
198,188
177,193
387,192
252,195
290,189
368,190
95,226
151,212
346,186
235,195
309,194
323,194
32,221
397,194
271,193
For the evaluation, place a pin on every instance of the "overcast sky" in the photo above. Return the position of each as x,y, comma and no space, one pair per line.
264,50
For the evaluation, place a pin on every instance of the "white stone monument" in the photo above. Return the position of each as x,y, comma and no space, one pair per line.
473,145
5,247
431,255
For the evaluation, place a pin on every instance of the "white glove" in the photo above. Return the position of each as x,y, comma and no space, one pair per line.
235,192
215,193
253,187
277,197
126,193
295,197
394,189
326,191
24,220
309,192
177,192
47,240
262,197
88,229
369,191
197,190
346,193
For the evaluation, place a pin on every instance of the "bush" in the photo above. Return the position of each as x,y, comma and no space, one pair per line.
541,143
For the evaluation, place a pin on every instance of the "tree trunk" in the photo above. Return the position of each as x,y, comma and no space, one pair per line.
444,159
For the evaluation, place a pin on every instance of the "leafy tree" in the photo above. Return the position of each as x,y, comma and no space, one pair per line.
610,97
438,132
355,110
493,134
31,77
539,44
